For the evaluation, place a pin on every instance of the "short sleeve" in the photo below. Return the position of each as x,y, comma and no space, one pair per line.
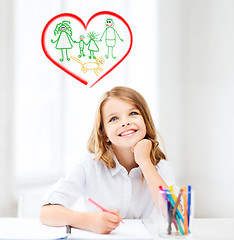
67,190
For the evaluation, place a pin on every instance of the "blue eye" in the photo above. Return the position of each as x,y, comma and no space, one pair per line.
113,119
134,113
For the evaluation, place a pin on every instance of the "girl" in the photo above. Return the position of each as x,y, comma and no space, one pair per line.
123,171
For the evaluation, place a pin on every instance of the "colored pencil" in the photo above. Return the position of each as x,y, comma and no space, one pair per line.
189,203
102,208
177,203
184,193
174,197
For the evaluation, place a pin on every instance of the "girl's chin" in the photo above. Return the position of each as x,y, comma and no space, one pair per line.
125,146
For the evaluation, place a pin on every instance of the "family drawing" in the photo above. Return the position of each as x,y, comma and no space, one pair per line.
64,41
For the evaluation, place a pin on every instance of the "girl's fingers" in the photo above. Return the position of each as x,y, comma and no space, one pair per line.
104,222
114,211
111,215
112,225
114,216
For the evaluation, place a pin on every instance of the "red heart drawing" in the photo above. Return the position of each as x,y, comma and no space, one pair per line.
63,66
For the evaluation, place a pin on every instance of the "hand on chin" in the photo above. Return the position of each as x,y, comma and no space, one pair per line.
142,150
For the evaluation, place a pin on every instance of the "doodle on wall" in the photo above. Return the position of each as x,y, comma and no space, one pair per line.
110,36
99,44
64,40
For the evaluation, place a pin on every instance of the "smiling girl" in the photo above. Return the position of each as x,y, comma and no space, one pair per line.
123,171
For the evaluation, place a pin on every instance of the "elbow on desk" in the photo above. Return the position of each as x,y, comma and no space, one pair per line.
43,215
52,215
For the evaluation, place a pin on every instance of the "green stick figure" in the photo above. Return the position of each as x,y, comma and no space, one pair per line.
81,46
92,46
110,36
64,40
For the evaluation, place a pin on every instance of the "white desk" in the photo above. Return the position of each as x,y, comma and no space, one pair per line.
213,228
203,228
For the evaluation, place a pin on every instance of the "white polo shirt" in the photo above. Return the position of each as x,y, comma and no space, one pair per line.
111,188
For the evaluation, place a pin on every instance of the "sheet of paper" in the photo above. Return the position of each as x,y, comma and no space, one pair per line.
27,228
131,229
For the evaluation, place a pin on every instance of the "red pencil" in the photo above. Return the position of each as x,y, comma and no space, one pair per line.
102,208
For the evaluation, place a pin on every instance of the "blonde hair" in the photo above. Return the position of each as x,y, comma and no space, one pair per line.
97,141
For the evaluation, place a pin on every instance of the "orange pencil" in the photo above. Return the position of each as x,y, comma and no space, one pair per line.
185,210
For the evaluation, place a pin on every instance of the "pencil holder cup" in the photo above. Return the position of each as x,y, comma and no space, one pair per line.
175,213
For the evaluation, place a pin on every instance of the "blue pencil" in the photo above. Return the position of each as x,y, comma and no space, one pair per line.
189,202
171,200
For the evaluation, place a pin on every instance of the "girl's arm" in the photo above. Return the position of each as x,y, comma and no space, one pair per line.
153,179
99,222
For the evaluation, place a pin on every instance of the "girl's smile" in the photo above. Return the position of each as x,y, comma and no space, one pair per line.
127,133
123,123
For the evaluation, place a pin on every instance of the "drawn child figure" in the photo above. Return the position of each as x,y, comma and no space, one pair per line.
92,46
122,172
81,46
64,40
110,36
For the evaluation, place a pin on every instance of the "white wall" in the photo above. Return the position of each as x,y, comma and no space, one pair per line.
6,108
197,98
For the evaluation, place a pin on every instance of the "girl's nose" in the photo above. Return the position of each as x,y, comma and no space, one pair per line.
125,124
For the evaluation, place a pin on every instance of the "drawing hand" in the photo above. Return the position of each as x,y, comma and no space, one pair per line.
104,222
142,151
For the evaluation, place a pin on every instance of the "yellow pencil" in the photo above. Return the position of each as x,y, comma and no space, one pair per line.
174,197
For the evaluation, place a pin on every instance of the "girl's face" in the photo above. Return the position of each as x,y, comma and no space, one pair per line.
123,123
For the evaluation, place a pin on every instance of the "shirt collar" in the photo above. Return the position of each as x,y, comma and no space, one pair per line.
118,166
